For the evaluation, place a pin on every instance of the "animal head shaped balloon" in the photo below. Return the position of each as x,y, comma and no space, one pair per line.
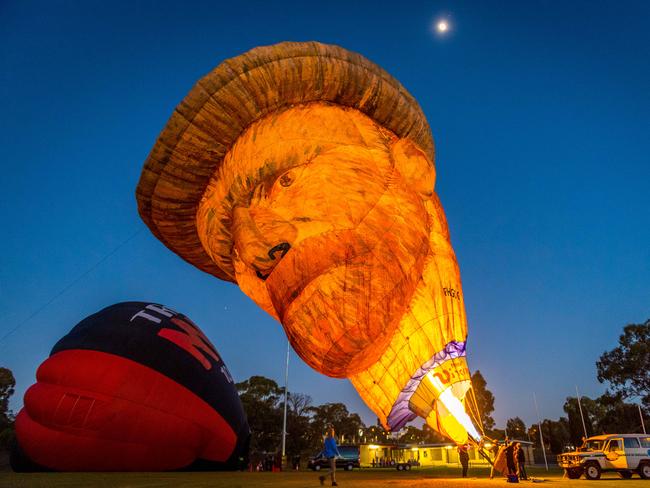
304,173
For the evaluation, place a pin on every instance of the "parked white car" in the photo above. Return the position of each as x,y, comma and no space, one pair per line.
625,453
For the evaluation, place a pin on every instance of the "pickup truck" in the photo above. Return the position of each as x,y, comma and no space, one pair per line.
624,453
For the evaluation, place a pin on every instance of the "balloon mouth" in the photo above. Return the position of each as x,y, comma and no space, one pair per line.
402,411
447,409
448,403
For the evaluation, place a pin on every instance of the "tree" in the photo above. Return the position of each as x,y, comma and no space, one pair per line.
533,434
412,435
432,436
606,414
259,388
7,384
260,398
516,428
375,434
263,402
627,367
497,434
299,403
592,413
484,400
556,434
298,423
618,416
346,424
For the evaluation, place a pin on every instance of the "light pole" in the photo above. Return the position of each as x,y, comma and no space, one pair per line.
641,415
286,395
581,416
539,425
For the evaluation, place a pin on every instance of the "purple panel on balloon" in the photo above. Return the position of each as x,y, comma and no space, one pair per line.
401,414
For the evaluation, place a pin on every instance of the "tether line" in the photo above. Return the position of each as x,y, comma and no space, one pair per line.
71,284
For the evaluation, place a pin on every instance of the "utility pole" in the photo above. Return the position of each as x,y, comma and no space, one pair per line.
581,415
541,436
641,415
286,395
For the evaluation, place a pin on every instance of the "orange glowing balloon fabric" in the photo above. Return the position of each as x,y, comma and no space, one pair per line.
304,173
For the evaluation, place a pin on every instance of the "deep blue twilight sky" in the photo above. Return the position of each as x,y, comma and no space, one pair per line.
541,115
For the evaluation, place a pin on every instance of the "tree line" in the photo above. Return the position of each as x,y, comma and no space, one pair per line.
263,401
7,385
625,369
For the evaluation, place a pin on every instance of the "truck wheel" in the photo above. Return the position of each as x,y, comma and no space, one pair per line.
626,475
573,474
407,467
317,467
348,467
592,471
644,471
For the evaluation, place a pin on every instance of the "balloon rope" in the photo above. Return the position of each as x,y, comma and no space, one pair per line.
478,418
71,284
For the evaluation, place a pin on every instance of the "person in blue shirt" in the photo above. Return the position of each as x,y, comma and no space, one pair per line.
331,452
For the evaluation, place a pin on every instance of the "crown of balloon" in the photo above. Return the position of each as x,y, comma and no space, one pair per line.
241,90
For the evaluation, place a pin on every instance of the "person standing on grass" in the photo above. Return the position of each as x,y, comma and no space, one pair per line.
521,461
463,457
331,452
511,461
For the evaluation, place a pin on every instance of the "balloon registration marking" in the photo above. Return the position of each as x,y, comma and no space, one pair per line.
189,338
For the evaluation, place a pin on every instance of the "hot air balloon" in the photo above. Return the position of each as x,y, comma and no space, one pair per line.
134,387
305,174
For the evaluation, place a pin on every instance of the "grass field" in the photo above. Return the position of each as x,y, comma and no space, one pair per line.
366,478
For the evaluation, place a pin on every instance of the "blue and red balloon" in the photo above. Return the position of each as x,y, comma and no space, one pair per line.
134,387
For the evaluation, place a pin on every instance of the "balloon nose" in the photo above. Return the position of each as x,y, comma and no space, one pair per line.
281,249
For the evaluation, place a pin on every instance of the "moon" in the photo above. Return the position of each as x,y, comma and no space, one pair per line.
442,26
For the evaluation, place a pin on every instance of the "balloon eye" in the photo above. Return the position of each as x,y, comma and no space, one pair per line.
286,179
